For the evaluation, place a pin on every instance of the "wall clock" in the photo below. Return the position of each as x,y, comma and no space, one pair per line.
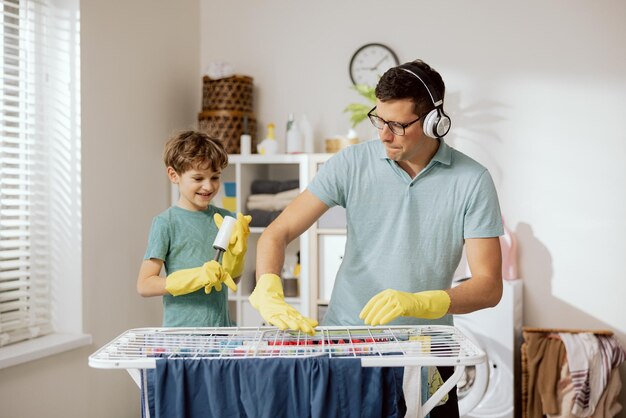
370,62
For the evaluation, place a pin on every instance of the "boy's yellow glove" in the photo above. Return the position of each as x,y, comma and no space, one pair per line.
210,275
234,256
269,300
390,304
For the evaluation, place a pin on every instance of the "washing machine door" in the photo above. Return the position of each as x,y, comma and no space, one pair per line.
472,386
487,391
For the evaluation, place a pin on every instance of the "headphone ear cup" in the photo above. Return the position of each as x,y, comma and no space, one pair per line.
436,123
431,120
443,126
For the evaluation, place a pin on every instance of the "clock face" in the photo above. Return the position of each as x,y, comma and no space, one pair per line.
370,62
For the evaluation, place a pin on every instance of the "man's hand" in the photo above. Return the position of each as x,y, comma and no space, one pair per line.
234,256
390,304
269,300
211,275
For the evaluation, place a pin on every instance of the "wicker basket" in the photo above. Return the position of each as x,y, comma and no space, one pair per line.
231,93
227,125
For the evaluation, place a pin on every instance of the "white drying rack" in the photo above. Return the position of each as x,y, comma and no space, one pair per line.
391,346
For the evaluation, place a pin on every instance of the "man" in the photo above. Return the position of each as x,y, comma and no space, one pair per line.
412,202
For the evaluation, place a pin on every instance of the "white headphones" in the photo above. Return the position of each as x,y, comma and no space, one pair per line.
436,123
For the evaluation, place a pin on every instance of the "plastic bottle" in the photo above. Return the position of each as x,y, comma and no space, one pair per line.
293,137
269,145
245,140
508,244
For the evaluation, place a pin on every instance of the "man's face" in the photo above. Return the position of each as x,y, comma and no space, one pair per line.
197,187
409,146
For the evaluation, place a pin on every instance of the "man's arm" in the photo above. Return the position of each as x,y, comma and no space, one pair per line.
268,296
297,217
484,289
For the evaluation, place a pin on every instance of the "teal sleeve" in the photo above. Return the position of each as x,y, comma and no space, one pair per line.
158,240
328,185
482,215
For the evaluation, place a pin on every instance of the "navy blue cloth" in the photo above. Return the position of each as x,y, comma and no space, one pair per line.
257,388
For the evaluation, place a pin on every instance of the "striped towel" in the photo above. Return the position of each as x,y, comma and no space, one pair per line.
612,356
584,361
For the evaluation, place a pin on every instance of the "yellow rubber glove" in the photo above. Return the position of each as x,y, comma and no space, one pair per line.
269,300
390,304
210,275
234,256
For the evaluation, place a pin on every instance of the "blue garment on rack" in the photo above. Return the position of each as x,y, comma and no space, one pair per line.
286,387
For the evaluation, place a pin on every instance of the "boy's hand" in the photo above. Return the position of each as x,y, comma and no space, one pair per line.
234,256
210,275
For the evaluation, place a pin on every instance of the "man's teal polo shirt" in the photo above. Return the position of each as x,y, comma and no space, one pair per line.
402,233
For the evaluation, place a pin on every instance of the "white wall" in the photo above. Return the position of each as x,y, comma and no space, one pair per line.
536,91
140,82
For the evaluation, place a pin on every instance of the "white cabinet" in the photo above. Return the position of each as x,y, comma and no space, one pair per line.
327,241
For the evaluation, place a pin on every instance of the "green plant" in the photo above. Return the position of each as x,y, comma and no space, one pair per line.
359,110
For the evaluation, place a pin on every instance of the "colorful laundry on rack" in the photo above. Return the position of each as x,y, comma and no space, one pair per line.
281,387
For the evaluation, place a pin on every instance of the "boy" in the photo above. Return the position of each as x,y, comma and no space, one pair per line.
181,238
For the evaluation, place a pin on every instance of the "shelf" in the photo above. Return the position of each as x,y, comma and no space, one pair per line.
331,231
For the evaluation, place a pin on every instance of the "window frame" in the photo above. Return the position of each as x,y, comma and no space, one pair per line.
49,56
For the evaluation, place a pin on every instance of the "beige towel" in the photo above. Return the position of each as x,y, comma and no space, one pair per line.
544,359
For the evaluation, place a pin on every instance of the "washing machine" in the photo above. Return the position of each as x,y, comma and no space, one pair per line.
491,390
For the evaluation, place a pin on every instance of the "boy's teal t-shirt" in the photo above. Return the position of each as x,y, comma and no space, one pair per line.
403,233
184,239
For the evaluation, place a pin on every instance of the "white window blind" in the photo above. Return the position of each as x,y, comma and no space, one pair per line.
39,163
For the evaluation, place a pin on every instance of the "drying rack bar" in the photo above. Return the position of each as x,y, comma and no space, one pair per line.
376,346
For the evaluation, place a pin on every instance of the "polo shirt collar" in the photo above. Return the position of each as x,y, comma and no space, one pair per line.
443,154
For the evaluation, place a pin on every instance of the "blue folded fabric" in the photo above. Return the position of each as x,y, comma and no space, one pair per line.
299,387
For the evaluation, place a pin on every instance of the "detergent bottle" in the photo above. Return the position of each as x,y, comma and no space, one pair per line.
508,244
269,145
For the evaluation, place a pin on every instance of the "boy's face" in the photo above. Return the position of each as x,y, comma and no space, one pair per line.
197,187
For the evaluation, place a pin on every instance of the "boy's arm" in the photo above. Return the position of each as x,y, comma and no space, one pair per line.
149,283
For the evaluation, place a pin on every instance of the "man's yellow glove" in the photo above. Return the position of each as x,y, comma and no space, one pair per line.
234,256
269,300
210,275
390,304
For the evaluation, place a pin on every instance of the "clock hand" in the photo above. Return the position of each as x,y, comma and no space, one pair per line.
379,62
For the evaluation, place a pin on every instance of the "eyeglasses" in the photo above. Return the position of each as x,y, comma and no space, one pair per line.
396,127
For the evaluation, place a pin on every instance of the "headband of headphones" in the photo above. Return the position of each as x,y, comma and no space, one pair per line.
437,101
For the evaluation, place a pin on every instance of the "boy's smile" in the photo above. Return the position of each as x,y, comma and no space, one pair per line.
197,187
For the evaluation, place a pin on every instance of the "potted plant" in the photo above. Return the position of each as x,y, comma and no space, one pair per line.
358,111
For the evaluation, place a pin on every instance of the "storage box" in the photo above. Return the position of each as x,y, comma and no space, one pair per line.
230,93
227,126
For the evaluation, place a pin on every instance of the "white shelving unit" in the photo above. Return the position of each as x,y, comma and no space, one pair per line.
244,170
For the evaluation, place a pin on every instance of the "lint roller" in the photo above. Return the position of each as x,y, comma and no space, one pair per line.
223,236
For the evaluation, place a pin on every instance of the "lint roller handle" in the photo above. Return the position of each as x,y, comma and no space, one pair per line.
223,236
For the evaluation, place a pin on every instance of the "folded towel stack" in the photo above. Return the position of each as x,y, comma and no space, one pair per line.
268,198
